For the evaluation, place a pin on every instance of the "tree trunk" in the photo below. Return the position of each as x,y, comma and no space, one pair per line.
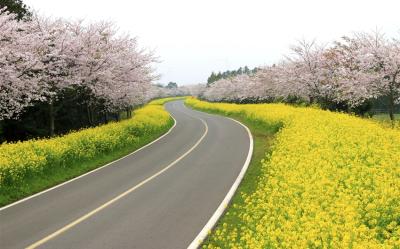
51,119
311,99
88,115
106,117
92,117
391,106
1,133
391,99
392,88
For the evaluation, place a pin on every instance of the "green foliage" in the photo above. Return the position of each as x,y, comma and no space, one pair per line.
17,7
172,85
227,74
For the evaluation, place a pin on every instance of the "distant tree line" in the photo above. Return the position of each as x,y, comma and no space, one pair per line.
228,74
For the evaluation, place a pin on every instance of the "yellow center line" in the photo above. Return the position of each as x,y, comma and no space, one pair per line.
86,216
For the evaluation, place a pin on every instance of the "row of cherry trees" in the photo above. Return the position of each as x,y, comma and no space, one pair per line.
157,91
345,74
41,59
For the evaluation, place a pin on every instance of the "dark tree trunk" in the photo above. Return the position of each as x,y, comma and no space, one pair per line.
2,139
89,115
92,116
391,106
51,119
105,117
391,98
311,100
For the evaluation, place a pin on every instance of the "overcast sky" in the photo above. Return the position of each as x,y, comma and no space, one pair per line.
195,37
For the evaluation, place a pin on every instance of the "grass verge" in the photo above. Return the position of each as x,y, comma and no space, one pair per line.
385,117
385,121
263,137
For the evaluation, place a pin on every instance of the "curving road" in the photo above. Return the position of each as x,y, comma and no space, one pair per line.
158,197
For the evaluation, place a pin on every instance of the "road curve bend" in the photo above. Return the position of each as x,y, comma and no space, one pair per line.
160,196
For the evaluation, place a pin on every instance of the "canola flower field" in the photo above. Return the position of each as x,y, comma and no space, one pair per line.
331,181
23,161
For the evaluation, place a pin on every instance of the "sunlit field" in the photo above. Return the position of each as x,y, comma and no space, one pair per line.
331,181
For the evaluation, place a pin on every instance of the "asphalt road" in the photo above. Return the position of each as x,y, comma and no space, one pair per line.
159,197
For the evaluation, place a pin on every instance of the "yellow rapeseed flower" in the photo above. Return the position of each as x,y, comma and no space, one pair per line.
331,181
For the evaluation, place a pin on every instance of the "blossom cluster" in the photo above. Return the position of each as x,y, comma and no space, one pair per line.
331,181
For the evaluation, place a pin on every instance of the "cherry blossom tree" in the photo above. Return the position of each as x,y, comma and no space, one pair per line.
18,65
367,67
53,50
312,68
380,58
193,90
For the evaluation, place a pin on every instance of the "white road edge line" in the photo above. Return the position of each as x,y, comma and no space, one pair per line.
225,202
88,215
90,172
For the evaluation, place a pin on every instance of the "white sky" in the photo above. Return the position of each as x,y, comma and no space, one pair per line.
195,37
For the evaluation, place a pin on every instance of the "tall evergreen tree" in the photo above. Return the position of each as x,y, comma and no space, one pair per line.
172,85
17,7
229,74
211,79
